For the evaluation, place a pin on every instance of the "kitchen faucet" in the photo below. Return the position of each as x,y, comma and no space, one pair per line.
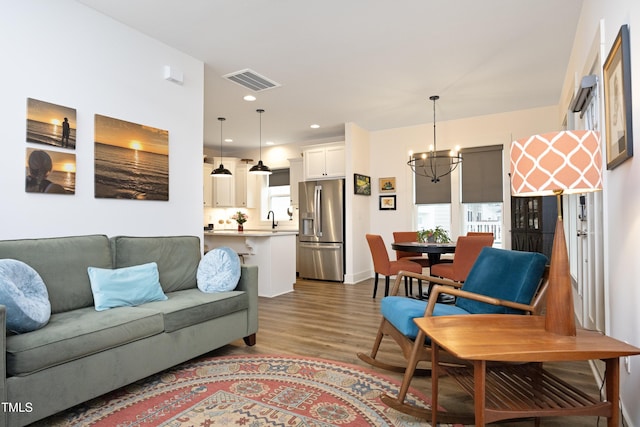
273,219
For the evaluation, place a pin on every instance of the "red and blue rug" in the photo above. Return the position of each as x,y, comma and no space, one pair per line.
250,391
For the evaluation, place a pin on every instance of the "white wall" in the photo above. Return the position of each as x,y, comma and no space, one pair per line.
390,153
621,192
358,213
67,54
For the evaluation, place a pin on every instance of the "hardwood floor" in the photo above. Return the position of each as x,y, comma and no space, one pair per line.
335,321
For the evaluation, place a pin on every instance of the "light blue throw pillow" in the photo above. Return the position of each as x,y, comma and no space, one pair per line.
125,287
219,270
25,296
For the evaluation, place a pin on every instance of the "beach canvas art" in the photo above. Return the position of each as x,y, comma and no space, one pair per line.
51,124
131,160
49,171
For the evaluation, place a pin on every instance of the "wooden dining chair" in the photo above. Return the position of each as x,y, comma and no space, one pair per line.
383,265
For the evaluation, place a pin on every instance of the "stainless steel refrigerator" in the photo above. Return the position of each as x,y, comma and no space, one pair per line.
321,230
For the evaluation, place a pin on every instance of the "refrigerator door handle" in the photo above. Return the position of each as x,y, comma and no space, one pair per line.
318,210
325,246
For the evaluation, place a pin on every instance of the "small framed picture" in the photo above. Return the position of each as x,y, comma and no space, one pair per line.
361,184
388,203
387,185
617,100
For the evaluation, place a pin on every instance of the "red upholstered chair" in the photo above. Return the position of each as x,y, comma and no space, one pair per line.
467,250
383,265
409,236
479,233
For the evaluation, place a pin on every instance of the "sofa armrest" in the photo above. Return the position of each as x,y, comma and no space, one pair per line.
249,283
3,361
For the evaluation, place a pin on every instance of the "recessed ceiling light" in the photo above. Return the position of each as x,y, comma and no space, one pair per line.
228,140
314,126
269,143
249,98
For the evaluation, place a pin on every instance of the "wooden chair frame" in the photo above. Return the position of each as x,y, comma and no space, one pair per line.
419,354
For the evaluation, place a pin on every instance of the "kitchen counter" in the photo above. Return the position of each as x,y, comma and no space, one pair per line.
251,233
271,251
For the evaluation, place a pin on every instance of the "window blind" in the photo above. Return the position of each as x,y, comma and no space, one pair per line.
481,171
279,177
427,192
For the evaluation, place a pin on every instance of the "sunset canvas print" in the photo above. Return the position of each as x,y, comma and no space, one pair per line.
51,124
131,160
49,171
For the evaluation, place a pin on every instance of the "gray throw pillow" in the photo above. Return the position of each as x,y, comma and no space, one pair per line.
25,296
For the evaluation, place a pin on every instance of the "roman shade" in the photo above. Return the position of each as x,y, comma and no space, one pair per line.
427,192
279,177
482,174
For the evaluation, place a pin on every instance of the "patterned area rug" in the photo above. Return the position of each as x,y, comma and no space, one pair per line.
250,391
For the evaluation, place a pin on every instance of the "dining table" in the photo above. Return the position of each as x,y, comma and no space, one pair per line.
433,251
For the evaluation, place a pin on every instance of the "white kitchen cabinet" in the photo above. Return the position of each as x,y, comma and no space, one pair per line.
295,176
224,188
324,161
246,187
207,185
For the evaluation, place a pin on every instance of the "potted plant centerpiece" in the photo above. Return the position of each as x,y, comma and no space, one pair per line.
240,217
437,235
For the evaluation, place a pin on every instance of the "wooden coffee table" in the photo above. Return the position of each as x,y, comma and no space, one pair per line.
518,388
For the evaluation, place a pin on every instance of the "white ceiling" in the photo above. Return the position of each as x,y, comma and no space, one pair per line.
371,62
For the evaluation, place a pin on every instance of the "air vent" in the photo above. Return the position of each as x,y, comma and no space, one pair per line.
251,80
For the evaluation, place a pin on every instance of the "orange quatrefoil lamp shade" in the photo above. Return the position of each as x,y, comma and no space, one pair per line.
568,161
554,164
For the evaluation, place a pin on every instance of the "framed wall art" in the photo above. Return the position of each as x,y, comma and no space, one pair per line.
131,160
617,100
388,203
49,171
361,184
387,185
51,124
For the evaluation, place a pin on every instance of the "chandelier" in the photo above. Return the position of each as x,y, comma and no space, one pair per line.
433,164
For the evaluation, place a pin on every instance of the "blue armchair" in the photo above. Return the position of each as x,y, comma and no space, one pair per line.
500,281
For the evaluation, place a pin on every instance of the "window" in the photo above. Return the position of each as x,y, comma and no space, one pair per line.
280,201
433,215
482,191
279,194
484,217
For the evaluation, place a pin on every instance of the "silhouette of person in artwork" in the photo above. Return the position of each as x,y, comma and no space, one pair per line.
66,130
40,166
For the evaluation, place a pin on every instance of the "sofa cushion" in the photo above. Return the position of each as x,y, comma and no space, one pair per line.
75,334
190,306
62,263
177,257
219,270
24,294
127,286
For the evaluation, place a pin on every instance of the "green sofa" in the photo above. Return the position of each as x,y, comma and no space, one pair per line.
82,353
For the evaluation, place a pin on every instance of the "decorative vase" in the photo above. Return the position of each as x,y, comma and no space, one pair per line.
240,227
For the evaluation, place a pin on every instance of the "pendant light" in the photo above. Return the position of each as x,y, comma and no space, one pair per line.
260,168
432,164
221,171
